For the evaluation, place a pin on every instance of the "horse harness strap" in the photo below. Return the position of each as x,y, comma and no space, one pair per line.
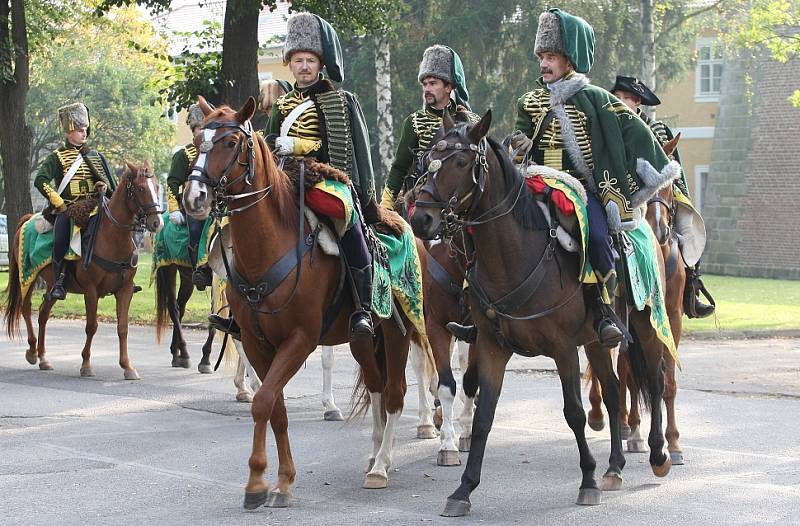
442,277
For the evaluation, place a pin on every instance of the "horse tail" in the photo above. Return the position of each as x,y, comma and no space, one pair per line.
421,342
165,295
13,292
638,372
588,376
359,400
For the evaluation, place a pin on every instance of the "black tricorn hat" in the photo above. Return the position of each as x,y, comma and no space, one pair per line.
635,86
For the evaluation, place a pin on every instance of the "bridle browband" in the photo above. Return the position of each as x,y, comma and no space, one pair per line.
142,210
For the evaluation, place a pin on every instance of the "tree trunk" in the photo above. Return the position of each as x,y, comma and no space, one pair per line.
15,135
648,51
383,84
240,51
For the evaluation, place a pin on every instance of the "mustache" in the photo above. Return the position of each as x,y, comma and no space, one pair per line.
546,70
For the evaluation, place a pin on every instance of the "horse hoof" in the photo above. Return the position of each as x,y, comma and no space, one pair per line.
456,508
589,497
131,375
255,500
611,482
278,499
87,372
676,457
176,362
597,425
448,458
244,397
662,470
637,446
205,368
31,356
427,431
625,431
186,363
44,365
334,415
375,481
464,443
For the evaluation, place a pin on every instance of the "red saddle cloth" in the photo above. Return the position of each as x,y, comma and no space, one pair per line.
562,202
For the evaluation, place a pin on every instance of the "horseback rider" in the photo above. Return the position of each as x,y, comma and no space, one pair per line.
67,176
182,162
575,127
319,121
634,93
444,88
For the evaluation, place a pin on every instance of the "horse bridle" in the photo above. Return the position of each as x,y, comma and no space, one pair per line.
671,211
142,210
244,145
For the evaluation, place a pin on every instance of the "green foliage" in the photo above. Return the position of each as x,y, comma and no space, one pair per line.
95,62
197,69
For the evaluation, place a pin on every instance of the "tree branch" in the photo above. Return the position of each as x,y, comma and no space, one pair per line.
667,30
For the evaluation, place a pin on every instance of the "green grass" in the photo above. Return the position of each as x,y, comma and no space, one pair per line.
742,303
143,306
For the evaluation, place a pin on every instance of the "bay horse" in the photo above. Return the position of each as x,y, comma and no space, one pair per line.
133,205
661,216
536,311
283,321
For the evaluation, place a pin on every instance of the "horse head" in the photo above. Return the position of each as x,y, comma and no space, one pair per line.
456,174
141,194
225,160
661,213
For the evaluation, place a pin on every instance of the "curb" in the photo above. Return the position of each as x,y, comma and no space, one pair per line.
756,334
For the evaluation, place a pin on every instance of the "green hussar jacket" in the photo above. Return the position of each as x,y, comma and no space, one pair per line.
336,121
596,138
56,165
416,134
182,162
664,135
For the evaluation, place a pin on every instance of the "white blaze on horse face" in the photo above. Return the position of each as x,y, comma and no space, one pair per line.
195,195
152,187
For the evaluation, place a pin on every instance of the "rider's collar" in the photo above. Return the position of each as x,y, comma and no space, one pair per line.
320,86
69,145
451,108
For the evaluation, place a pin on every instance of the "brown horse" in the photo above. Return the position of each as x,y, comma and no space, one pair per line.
660,215
283,317
536,311
111,270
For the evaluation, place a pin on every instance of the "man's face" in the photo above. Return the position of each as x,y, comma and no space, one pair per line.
631,100
305,67
553,66
436,92
196,131
77,136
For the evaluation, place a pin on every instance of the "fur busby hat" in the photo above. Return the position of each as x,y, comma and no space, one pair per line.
569,35
312,33
638,88
74,116
194,116
444,63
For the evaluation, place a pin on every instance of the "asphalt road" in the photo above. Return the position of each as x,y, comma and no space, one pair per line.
172,448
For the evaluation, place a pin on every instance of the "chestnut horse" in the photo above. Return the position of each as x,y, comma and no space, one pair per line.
283,321
133,206
537,311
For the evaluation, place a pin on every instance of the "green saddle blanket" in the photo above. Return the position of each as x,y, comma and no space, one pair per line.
36,251
171,244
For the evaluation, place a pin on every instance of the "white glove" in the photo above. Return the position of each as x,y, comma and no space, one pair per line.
284,145
176,218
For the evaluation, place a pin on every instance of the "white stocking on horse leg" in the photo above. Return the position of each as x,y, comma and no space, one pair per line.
378,425
448,452
425,427
332,413
378,476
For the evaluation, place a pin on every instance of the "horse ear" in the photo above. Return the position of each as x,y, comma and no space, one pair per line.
205,106
130,167
447,121
246,112
669,147
480,130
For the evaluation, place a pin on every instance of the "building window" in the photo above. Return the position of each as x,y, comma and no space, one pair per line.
700,182
708,72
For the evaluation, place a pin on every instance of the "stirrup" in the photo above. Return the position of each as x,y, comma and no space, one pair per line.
227,325
608,334
361,325
465,333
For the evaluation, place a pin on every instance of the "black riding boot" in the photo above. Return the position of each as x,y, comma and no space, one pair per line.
692,306
228,325
58,291
607,331
361,319
201,275
465,333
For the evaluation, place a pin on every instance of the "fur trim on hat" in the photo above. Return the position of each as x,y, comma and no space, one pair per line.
548,35
437,61
194,116
73,116
302,34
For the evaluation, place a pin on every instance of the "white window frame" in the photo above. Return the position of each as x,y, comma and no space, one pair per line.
700,180
706,96
264,75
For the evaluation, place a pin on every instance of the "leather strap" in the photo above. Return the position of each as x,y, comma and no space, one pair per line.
442,277
548,118
294,115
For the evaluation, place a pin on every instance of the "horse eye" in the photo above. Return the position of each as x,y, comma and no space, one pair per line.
231,144
461,163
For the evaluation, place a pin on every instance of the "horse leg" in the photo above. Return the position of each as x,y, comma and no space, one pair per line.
425,427
635,441
469,389
204,366
603,373
596,419
123,299
90,302
492,362
623,371
364,353
281,496
670,392
30,353
332,412
44,315
184,293
441,342
242,393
